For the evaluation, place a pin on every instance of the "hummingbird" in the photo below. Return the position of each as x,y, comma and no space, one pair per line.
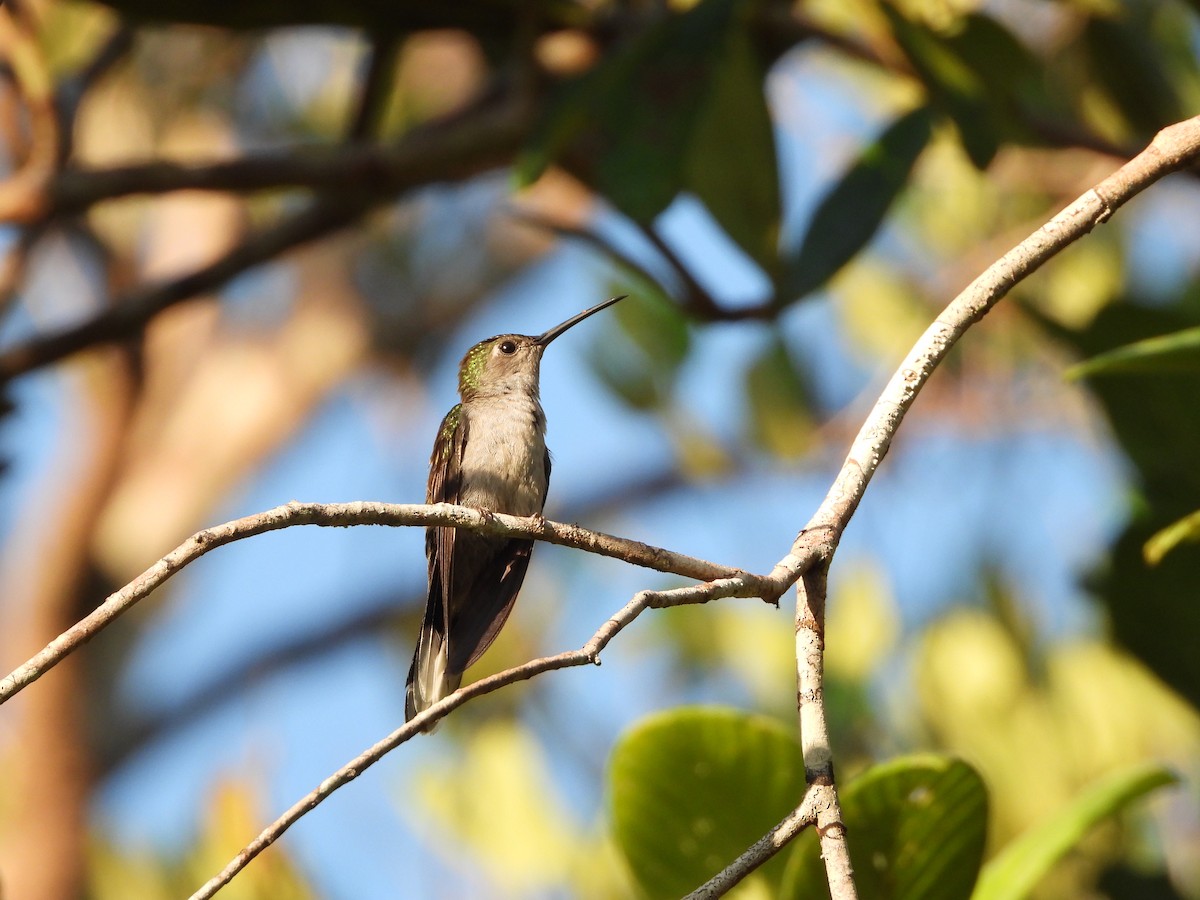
490,453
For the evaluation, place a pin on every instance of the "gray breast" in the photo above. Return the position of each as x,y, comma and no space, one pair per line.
504,461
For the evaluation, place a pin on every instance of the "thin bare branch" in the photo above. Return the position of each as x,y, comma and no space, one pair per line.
1172,149
811,593
340,515
377,82
589,237
71,91
126,316
761,850
467,148
588,654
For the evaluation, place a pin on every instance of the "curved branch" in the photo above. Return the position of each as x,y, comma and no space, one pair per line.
761,850
588,654
341,515
1172,149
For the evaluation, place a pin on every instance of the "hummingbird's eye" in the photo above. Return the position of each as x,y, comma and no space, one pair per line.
508,347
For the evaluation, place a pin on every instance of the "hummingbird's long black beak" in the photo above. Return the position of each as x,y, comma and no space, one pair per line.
547,336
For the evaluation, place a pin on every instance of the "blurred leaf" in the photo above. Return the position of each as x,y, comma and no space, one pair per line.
1163,542
1130,68
917,829
850,214
1018,868
1015,82
699,455
731,164
479,16
639,358
496,802
1177,352
778,403
952,85
1156,419
656,327
879,308
680,106
693,788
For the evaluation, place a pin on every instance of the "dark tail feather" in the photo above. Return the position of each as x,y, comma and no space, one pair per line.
428,680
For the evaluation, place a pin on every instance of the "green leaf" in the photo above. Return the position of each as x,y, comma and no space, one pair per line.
731,164
1176,352
640,347
850,214
693,788
953,85
1022,864
1163,542
1018,91
778,403
1130,68
678,107
624,126
1156,419
916,827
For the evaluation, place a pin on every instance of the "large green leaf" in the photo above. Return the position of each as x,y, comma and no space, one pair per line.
693,788
916,827
850,214
1013,873
731,164
678,107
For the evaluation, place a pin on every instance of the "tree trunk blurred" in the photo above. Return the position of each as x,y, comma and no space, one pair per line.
44,746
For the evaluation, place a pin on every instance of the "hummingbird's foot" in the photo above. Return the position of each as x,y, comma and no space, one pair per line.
489,517
539,520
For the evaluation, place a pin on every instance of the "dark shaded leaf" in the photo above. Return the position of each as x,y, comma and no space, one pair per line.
917,828
680,107
731,164
1152,609
953,85
625,125
850,214
692,788
1017,88
1130,67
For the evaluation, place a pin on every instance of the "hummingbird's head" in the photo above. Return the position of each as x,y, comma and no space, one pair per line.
501,365
508,363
